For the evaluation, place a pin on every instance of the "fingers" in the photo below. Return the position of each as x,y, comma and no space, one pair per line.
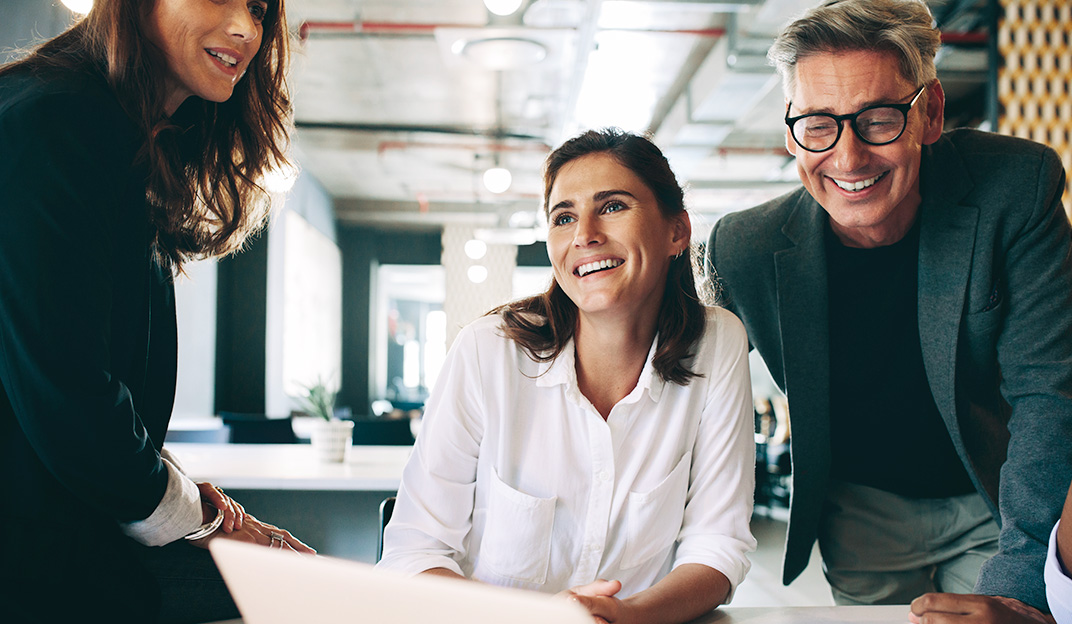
960,604
601,608
598,587
280,538
233,513
971,608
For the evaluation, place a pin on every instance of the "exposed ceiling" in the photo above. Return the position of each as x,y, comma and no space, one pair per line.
401,105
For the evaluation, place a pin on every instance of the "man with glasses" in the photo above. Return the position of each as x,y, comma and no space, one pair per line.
914,300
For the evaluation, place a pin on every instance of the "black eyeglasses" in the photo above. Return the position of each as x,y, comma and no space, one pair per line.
880,124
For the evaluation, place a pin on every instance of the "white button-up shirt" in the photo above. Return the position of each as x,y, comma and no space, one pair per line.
516,479
1058,584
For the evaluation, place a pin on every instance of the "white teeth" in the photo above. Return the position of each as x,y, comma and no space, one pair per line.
857,186
226,58
592,267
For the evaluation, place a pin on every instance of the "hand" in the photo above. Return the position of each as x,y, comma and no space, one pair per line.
973,609
598,598
233,513
256,532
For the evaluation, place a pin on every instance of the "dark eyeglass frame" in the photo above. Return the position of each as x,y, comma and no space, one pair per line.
851,118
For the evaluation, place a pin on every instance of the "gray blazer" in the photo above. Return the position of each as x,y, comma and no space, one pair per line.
995,322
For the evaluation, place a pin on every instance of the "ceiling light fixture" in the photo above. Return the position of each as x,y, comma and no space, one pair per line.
503,7
475,249
477,274
79,6
501,52
497,180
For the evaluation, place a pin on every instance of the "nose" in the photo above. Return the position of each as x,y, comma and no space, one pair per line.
587,233
241,24
850,153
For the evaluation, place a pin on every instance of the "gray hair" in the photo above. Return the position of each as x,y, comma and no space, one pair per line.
903,27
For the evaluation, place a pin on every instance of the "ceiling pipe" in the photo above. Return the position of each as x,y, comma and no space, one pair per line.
385,146
373,29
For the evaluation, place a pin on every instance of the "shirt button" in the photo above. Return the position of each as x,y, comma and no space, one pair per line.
592,547
604,475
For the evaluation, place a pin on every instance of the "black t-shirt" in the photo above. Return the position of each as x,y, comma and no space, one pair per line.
885,429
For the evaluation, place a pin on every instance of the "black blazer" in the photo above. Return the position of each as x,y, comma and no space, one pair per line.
87,336
995,295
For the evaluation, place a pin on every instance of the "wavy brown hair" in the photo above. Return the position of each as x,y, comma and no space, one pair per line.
543,324
207,160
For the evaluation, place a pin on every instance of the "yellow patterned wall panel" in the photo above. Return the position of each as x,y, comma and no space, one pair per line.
1035,83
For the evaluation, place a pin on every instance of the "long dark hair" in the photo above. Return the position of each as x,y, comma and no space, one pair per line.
207,161
543,324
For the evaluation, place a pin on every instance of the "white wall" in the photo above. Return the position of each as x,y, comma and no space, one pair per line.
304,311
195,303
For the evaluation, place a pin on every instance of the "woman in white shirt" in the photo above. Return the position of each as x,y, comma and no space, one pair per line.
1059,566
600,430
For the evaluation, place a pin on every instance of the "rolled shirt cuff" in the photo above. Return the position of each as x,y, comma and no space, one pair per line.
177,515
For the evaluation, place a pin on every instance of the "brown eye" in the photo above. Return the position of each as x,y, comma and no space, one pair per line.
258,11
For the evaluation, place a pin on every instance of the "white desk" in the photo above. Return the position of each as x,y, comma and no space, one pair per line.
793,615
291,467
807,615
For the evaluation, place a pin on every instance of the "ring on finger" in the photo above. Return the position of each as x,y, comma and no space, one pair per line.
276,537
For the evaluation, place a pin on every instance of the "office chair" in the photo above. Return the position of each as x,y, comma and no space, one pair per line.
387,507
259,429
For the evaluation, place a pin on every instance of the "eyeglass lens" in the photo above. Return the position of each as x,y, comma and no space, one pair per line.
874,125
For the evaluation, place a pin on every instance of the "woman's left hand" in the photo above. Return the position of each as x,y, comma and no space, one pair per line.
598,598
233,513
254,531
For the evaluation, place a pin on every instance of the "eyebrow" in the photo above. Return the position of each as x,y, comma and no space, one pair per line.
600,196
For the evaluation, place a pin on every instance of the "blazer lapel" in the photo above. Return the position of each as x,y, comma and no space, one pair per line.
946,245
802,311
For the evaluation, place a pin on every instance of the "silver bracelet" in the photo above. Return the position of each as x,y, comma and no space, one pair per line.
207,529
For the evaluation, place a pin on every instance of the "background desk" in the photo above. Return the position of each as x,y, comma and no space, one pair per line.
332,507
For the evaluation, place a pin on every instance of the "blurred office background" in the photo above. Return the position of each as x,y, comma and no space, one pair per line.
421,128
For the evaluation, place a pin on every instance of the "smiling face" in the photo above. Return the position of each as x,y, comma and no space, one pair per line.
208,44
609,243
871,192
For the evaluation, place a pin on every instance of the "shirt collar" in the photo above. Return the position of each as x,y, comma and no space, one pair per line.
563,371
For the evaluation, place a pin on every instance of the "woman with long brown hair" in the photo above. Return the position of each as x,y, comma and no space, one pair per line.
595,440
130,144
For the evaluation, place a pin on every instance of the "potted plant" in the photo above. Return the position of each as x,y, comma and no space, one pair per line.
331,437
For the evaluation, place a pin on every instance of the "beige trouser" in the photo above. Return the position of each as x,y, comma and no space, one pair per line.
881,548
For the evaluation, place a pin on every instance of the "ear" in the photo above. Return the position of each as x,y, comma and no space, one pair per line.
681,231
790,144
934,115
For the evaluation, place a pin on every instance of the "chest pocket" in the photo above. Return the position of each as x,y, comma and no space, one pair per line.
655,516
517,535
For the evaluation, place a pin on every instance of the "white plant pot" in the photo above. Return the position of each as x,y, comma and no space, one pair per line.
331,440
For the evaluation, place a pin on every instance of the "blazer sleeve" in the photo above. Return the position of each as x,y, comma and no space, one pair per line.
65,172
1034,353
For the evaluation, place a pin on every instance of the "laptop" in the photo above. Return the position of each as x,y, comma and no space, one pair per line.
277,587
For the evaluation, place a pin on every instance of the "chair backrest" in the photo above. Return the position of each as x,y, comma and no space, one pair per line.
383,431
259,428
387,507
